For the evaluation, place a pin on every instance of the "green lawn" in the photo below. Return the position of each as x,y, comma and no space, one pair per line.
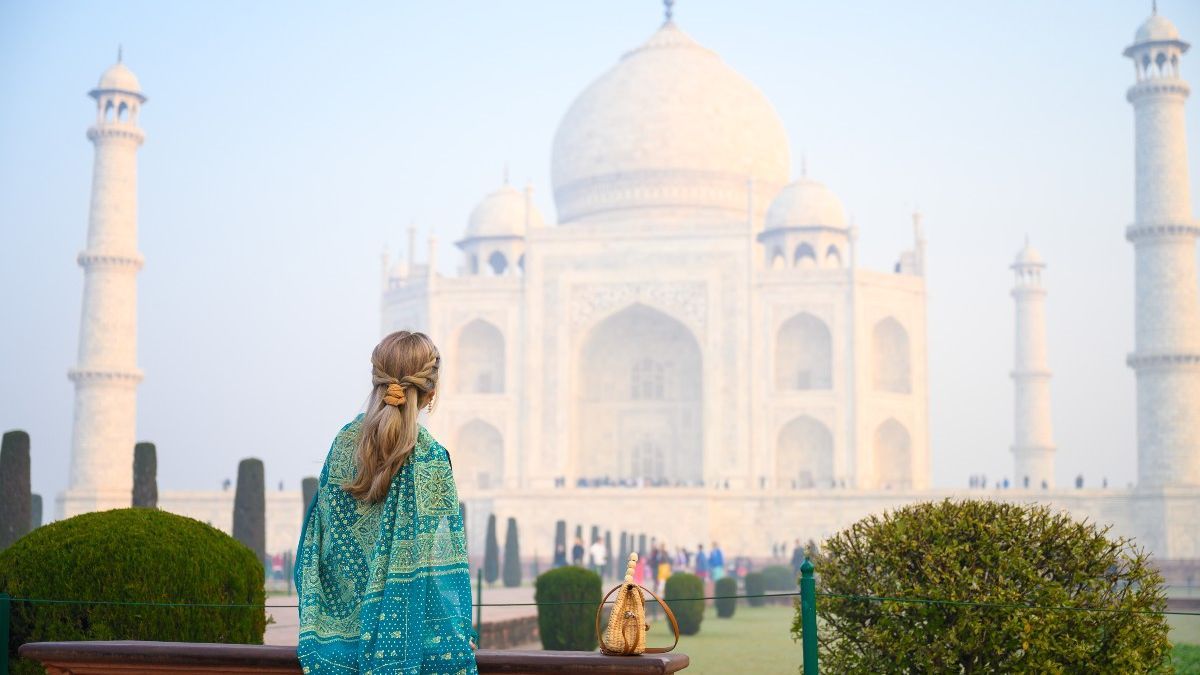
758,640
755,640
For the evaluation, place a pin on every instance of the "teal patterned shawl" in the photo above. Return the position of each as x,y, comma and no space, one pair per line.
385,588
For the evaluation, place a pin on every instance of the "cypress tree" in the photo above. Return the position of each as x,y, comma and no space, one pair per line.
145,476
308,491
491,552
35,512
250,508
560,542
623,554
579,532
641,549
512,556
608,554
16,501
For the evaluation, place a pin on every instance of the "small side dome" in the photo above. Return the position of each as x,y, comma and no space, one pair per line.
1028,255
119,78
503,213
806,203
1156,29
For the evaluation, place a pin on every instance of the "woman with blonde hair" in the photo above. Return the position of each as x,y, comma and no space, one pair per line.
381,567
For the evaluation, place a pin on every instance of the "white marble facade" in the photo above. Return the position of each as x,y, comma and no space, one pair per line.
692,351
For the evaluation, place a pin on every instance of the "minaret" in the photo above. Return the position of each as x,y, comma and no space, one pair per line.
107,376
1033,430
1166,356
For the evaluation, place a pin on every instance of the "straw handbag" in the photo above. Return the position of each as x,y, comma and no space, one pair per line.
626,631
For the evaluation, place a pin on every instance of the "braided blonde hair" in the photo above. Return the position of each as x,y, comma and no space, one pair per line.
404,375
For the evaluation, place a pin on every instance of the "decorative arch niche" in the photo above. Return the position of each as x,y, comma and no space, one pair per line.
638,415
804,455
480,359
803,354
478,456
890,357
892,448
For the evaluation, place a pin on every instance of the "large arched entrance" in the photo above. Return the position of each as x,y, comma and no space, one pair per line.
639,400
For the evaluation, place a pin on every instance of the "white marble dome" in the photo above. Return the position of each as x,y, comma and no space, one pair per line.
119,78
806,203
1156,29
1028,255
503,213
669,128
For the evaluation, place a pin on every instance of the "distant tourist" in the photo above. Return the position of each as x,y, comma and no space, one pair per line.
701,562
797,558
560,555
716,562
577,553
664,568
377,466
599,556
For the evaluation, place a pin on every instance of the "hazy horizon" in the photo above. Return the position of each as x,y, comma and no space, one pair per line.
287,145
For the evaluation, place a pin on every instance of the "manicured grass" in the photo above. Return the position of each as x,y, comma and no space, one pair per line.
754,640
1186,659
758,640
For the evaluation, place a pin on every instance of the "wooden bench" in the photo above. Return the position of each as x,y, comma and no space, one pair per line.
130,657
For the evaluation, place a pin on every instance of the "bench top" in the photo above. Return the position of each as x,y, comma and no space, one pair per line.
128,656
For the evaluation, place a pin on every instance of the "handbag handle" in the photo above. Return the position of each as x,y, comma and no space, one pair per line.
666,610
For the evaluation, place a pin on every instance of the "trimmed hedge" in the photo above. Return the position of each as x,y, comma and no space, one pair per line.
1004,556
689,613
725,590
568,626
779,578
131,555
756,585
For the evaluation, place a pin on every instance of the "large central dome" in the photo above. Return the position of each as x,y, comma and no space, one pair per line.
672,132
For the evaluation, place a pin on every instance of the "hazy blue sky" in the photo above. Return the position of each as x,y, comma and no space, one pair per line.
288,142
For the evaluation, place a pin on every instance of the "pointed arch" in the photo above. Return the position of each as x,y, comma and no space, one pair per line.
803,354
890,357
480,359
498,263
805,256
804,455
478,456
892,452
833,256
638,412
123,112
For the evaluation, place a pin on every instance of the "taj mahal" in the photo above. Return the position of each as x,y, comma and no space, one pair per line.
691,348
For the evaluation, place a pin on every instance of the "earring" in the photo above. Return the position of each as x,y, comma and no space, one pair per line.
429,408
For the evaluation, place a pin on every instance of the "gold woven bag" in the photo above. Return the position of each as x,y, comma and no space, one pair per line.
626,631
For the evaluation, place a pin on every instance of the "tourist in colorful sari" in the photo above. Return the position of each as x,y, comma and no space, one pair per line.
381,568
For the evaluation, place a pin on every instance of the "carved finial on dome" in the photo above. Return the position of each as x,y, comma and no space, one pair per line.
120,55
1154,7
668,10
803,165
506,173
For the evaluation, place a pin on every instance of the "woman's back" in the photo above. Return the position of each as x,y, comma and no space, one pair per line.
381,567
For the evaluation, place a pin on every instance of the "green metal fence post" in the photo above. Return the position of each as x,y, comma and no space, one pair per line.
5,606
478,608
808,617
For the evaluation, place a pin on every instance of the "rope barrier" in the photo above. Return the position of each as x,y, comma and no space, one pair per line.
592,603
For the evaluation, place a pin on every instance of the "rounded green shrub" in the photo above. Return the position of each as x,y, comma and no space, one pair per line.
131,556
779,578
756,585
1059,596
680,594
567,598
726,603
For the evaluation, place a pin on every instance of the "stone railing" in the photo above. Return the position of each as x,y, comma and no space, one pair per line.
130,658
